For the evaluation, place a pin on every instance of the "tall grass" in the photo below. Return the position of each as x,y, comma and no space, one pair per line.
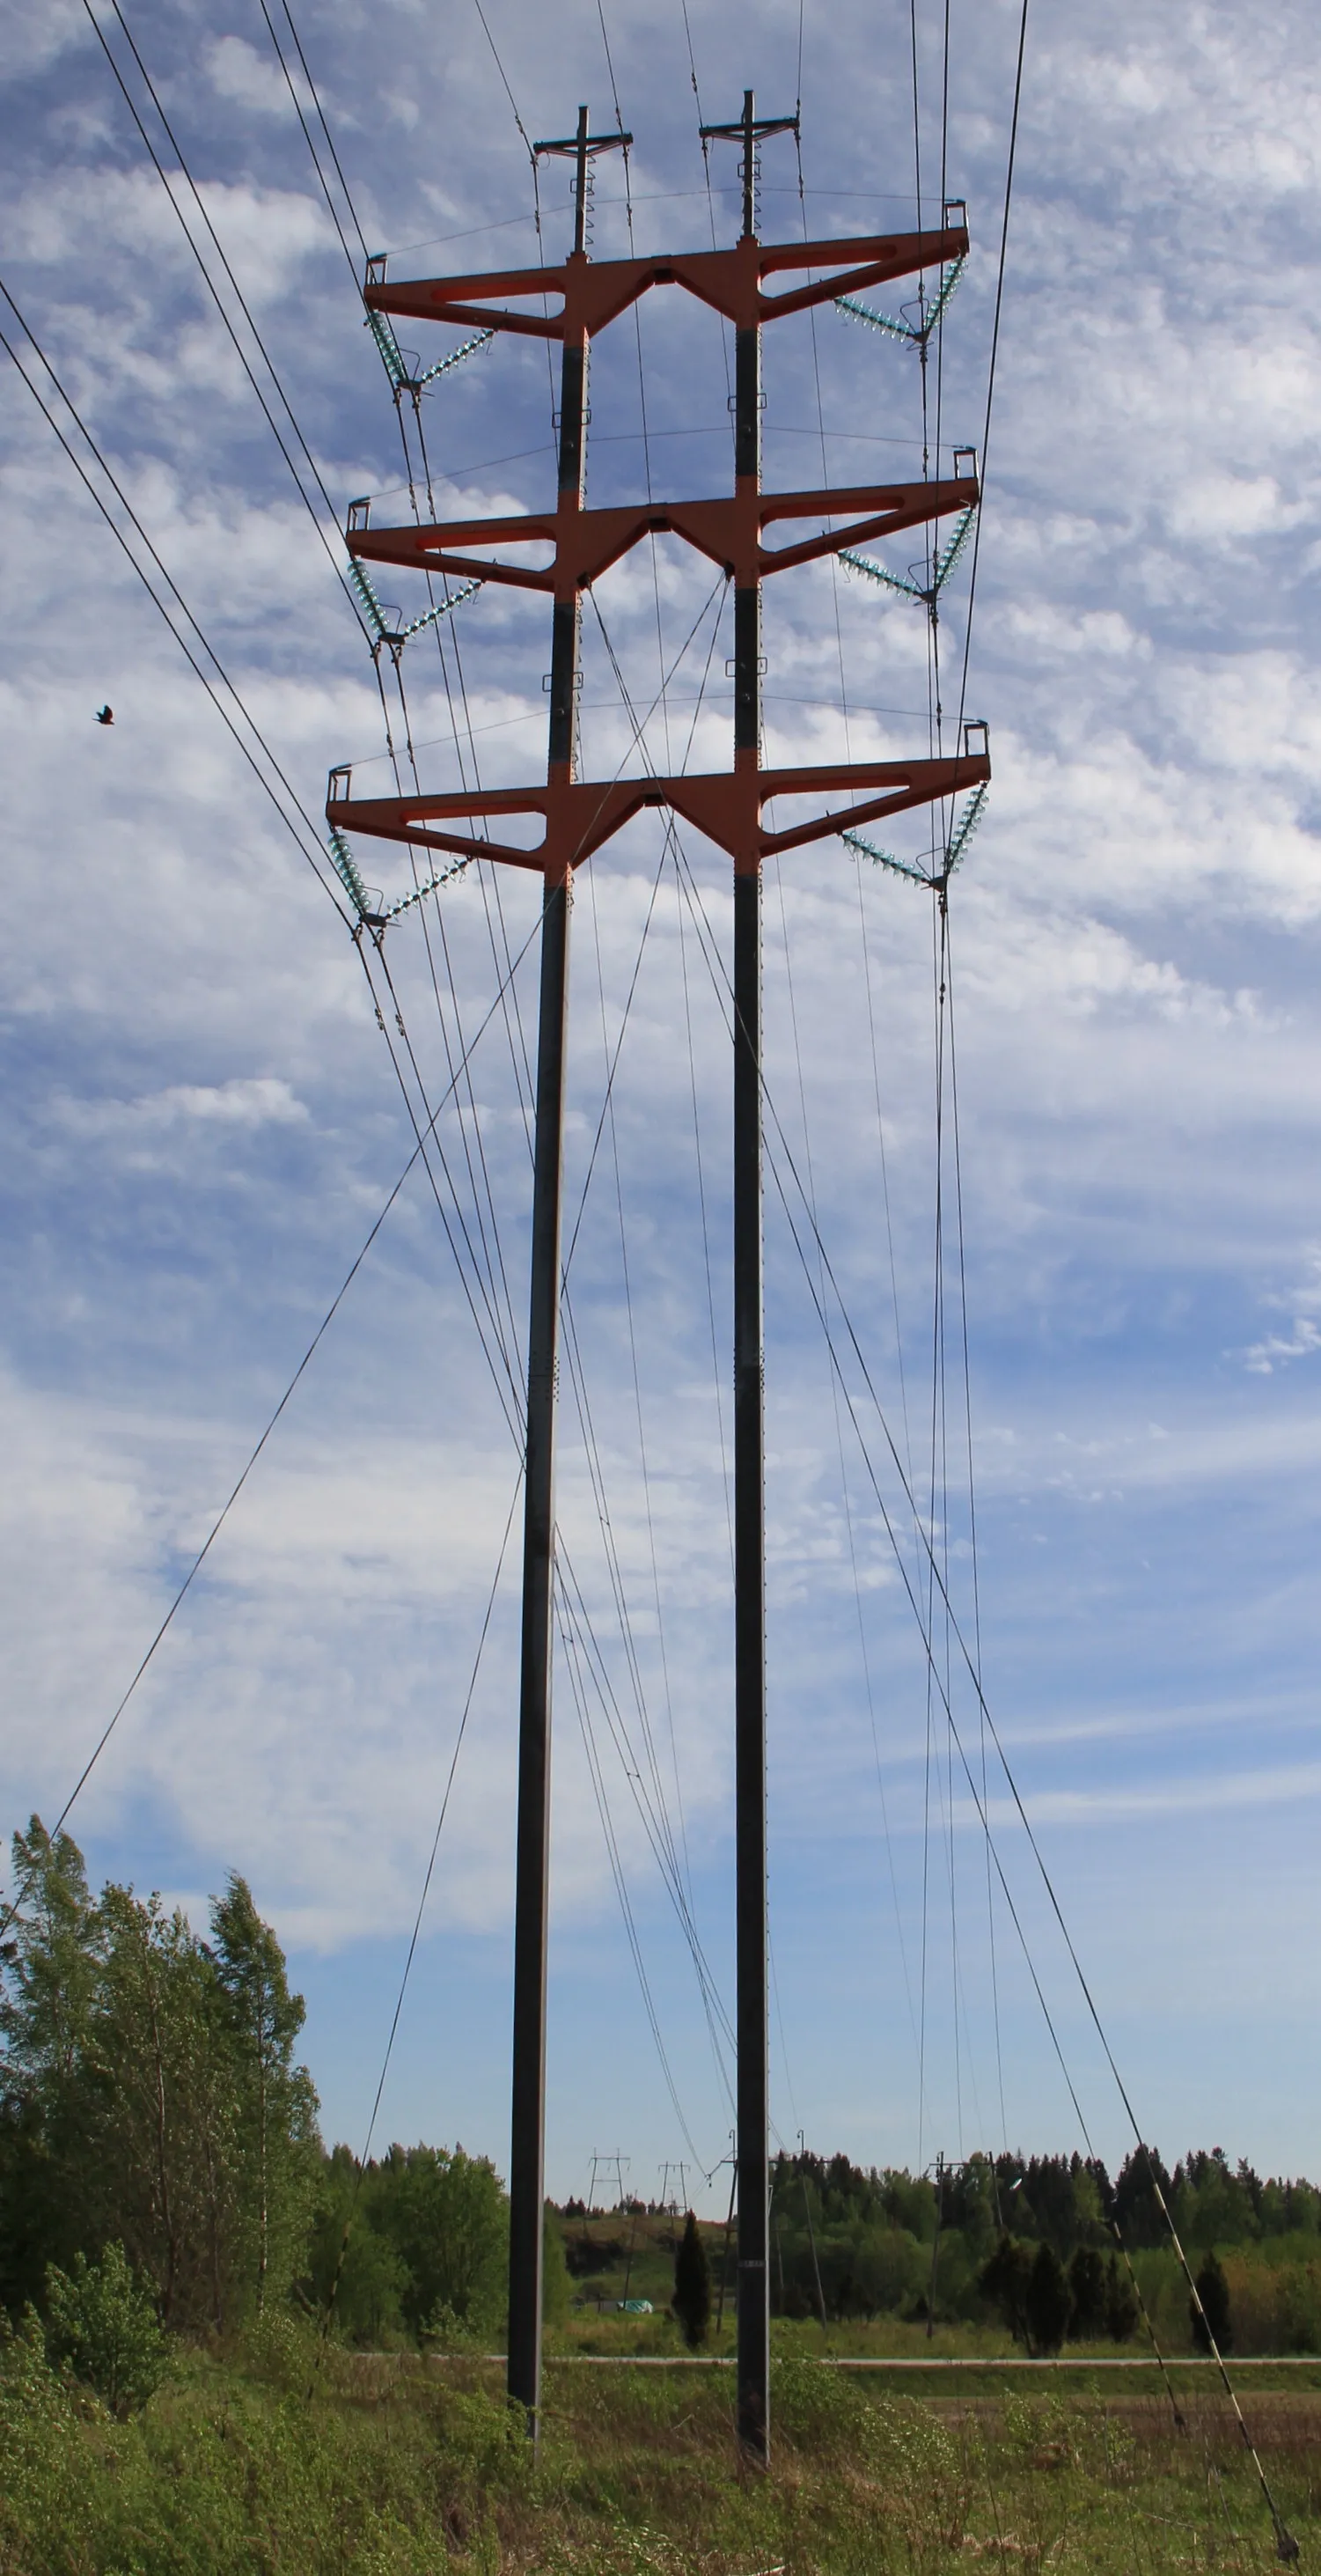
272,2460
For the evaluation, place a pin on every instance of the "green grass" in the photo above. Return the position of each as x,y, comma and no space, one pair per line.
261,2460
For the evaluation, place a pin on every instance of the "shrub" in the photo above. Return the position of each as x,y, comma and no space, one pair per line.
1004,2281
1087,2289
1047,2302
1211,2318
102,2328
1121,2303
692,2286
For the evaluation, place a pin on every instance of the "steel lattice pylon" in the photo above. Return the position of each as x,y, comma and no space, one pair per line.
579,817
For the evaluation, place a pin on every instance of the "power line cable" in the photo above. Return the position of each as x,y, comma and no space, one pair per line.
972,1509
717,1374
995,350
440,1821
1286,2545
216,297
222,1516
321,119
471,1278
637,1403
654,1826
314,861
577,1684
360,2167
504,83
655,1817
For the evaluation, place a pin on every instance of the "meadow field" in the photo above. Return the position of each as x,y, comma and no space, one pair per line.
284,2454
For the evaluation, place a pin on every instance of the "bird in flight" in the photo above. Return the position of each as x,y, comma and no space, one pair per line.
105,715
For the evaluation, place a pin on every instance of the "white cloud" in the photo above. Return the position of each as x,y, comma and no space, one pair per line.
236,71
264,1101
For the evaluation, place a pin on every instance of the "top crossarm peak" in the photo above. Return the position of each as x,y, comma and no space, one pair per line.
759,126
590,143
729,280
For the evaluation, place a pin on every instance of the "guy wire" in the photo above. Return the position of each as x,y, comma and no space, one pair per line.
1286,2545
360,2168
222,1516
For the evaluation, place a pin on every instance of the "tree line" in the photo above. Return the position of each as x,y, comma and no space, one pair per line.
153,2107
1046,2244
152,2103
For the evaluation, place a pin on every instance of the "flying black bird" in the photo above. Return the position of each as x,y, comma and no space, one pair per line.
105,715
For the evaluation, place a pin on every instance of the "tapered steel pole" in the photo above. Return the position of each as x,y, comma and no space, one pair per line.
528,2144
749,1461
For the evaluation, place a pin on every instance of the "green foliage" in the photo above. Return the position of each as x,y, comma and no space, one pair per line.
101,2325
1086,2293
1209,2313
445,2218
1004,2281
48,1976
1296,2323
148,2096
274,2104
228,2475
692,2286
259,2464
163,2169
1121,2303
352,2274
151,2101
556,2287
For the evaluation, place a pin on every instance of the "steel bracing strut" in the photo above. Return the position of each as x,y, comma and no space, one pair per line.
578,817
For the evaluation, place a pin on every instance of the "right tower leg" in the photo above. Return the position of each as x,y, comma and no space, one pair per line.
749,1462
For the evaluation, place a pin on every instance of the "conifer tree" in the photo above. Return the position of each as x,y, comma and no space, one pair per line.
1047,2301
1004,2279
692,2286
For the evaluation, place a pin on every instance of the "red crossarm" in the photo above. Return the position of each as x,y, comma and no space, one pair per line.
596,292
725,805
728,532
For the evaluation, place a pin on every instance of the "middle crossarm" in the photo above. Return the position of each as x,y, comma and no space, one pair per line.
579,816
729,532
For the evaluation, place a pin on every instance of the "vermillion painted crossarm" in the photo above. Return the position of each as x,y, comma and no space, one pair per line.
580,816
728,532
596,292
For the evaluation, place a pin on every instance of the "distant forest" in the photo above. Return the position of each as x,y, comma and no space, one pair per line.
852,2243
152,2101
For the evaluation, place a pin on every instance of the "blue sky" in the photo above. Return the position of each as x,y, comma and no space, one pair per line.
203,1121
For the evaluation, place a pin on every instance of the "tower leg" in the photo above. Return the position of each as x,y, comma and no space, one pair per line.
750,1685
527,2159
528,2143
754,2332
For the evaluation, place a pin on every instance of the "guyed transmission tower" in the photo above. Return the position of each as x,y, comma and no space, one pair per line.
579,817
